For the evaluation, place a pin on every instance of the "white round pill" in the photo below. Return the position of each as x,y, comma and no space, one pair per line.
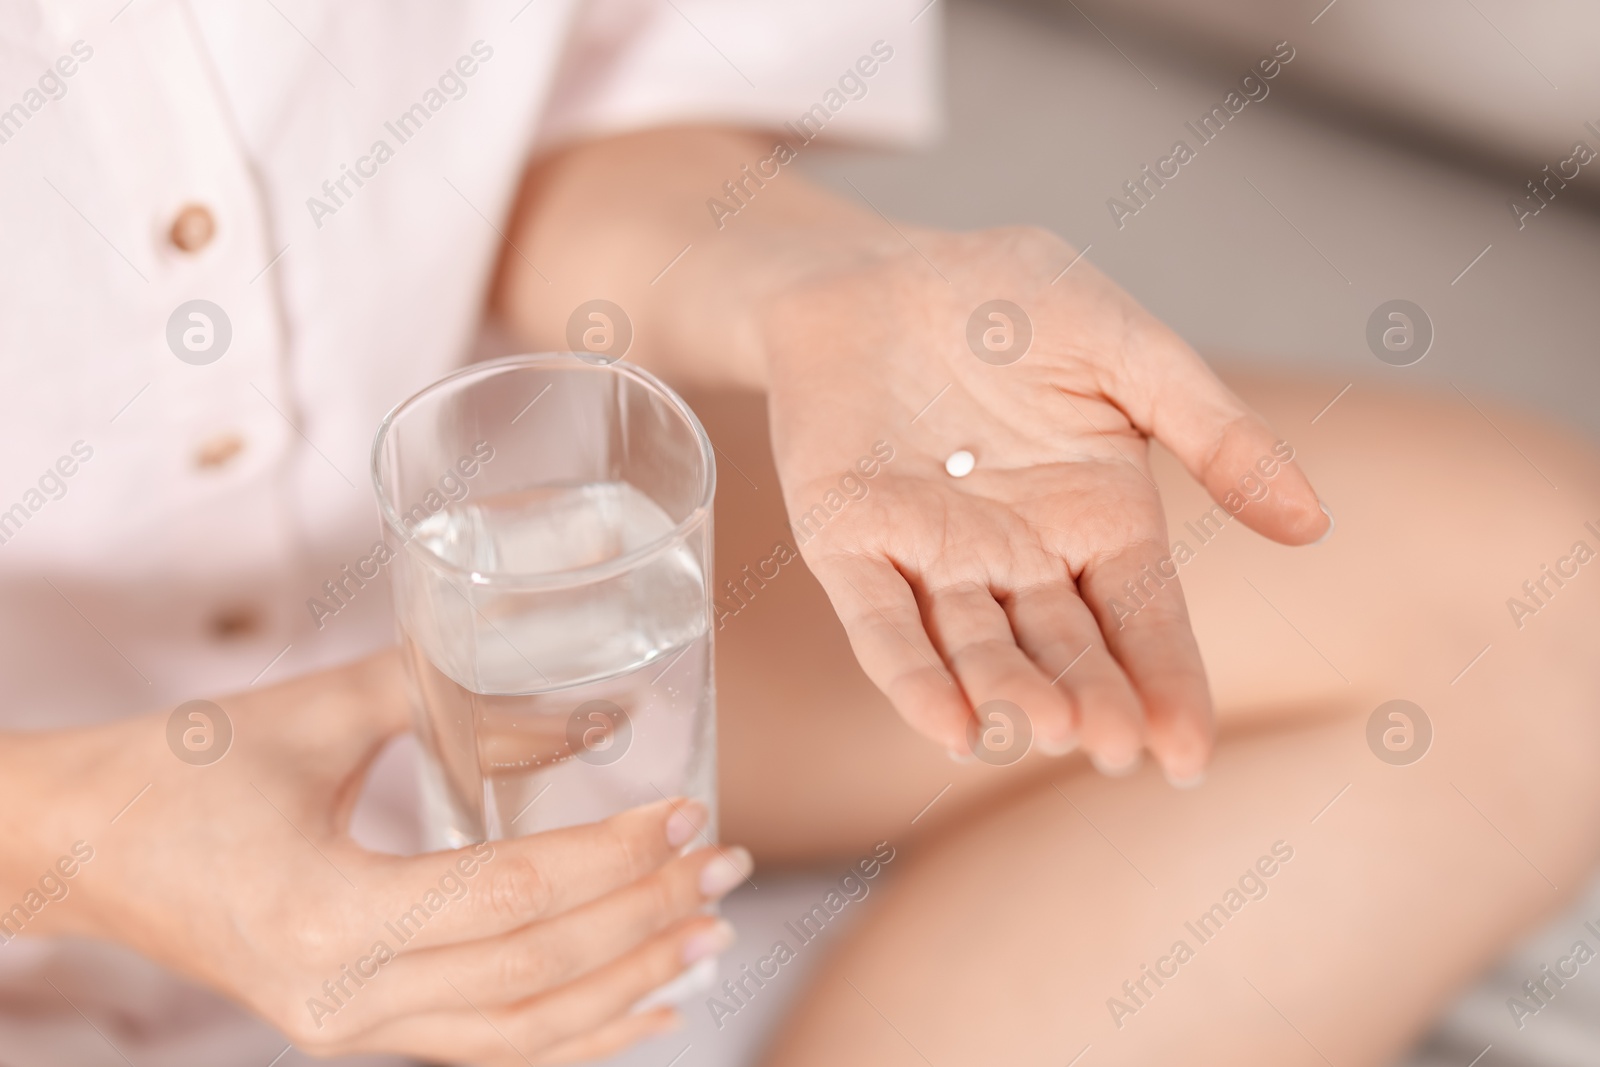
960,464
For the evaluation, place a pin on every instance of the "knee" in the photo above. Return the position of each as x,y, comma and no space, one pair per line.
1466,508
1529,531
1481,527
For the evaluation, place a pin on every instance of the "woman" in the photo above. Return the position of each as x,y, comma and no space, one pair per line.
233,156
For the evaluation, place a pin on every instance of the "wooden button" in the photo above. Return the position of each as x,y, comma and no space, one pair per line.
231,624
217,451
193,228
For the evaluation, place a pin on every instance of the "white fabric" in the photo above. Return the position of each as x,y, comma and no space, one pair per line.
113,580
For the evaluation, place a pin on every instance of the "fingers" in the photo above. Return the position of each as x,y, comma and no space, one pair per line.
378,706
1225,446
1107,670
885,628
615,1036
579,1007
545,955
561,1019
1139,604
1059,633
445,897
972,632
331,725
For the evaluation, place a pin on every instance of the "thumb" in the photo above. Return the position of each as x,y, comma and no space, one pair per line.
324,730
1225,446
378,707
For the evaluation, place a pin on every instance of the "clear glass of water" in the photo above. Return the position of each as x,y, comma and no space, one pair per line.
550,522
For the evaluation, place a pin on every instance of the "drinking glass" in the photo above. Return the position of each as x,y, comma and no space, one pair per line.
550,524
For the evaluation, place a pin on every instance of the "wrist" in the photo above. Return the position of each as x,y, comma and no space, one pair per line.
632,220
721,311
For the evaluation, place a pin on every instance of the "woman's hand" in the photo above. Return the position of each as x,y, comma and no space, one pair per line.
1013,582
241,874
955,592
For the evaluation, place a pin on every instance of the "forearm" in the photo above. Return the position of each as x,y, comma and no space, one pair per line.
49,782
605,219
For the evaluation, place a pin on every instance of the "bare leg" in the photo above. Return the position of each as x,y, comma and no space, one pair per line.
1030,894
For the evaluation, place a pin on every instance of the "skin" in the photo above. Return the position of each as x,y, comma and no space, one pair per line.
953,592
1019,902
948,593
549,940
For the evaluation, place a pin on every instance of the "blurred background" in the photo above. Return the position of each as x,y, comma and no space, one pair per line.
1380,166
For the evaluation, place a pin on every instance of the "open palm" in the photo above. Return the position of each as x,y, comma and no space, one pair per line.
1043,577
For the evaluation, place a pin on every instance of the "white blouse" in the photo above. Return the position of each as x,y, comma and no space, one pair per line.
232,235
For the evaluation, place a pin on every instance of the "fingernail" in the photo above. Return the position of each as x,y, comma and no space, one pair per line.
958,756
686,820
1194,781
728,869
1057,748
709,942
1117,770
1329,531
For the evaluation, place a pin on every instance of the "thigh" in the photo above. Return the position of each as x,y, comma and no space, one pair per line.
1441,515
